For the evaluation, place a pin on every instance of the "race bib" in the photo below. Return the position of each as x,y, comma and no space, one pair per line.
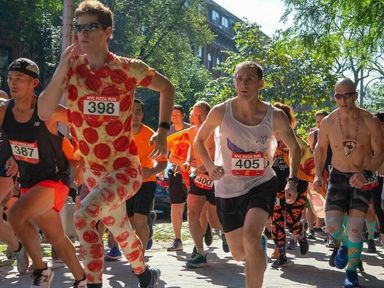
204,182
250,164
25,151
102,108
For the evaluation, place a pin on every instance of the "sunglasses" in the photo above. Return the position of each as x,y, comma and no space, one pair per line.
87,27
345,95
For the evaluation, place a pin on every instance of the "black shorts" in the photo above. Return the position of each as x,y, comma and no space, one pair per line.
232,211
177,190
141,202
3,171
209,194
342,197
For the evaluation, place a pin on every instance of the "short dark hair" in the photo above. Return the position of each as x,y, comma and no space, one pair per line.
322,113
288,111
250,65
204,105
141,103
179,107
93,7
380,115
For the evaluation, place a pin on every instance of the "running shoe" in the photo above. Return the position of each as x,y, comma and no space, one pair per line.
149,244
360,266
114,254
371,246
291,245
351,279
331,260
341,259
208,236
42,278
224,243
155,277
177,245
311,235
303,243
21,260
194,252
197,261
151,220
281,261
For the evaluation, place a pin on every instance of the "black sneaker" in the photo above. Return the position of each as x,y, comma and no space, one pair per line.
177,245
194,252
151,220
224,244
360,266
281,261
371,246
155,277
311,235
208,236
304,246
197,261
331,260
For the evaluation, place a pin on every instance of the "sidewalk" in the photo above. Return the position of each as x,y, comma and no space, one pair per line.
309,271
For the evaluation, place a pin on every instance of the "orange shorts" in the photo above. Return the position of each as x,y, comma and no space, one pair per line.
61,192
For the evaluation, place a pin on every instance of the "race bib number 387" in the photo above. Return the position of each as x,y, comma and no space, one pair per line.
101,107
250,164
25,151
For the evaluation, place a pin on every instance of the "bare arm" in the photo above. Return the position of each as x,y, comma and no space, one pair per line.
50,97
320,153
213,120
159,167
377,144
167,97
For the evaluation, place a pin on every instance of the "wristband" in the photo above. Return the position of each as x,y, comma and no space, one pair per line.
369,176
165,125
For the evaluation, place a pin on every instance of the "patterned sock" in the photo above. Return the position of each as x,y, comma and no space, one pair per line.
341,235
371,225
354,253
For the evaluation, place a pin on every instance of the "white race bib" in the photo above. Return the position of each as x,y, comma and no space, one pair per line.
101,107
203,181
25,151
250,164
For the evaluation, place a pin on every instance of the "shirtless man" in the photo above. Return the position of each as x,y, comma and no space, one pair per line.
353,135
100,88
245,183
200,190
43,170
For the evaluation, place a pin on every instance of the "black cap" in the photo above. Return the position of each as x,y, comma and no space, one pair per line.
26,66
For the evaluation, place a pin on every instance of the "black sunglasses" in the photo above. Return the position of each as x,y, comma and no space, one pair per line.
87,27
345,95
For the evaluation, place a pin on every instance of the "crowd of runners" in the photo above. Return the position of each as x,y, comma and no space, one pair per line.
240,171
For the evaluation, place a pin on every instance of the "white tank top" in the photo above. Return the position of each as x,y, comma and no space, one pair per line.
245,152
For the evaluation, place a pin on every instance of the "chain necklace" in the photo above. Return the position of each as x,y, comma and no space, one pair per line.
349,144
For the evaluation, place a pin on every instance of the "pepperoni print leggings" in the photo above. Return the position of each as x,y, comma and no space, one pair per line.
105,202
288,215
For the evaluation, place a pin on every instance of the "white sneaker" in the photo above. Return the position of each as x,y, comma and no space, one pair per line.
42,278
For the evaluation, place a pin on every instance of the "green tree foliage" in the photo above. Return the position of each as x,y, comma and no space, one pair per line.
294,75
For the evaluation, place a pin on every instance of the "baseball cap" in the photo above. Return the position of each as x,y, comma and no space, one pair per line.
26,66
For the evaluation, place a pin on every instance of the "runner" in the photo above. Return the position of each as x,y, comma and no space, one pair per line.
285,214
245,183
201,190
43,170
177,189
353,135
100,87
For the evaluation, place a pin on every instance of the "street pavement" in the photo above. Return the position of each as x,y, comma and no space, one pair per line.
311,270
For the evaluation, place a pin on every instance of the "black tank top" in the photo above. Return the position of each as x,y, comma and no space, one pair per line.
5,149
37,151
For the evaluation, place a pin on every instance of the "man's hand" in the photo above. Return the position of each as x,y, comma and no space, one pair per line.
160,141
215,172
357,180
11,167
318,183
290,192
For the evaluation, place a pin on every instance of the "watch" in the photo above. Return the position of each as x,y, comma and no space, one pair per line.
293,179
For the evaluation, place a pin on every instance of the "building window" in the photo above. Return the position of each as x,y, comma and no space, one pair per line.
218,61
200,52
215,17
209,63
224,22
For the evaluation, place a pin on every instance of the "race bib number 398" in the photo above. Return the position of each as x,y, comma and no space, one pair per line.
101,107
251,164
25,151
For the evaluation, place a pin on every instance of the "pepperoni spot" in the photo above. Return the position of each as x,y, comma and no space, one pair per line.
128,124
133,148
91,182
134,255
82,70
90,237
139,270
130,84
122,192
131,172
93,210
123,178
76,118
95,265
136,244
122,237
121,162
72,92
93,123
109,180
80,104
103,72
93,82
136,186
146,81
84,148
114,128
79,222
73,132
121,143
97,250
107,195
90,135
125,103
110,91
108,220
102,151
97,167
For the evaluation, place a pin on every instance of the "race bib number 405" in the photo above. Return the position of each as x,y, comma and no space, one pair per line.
251,164
25,151
101,107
